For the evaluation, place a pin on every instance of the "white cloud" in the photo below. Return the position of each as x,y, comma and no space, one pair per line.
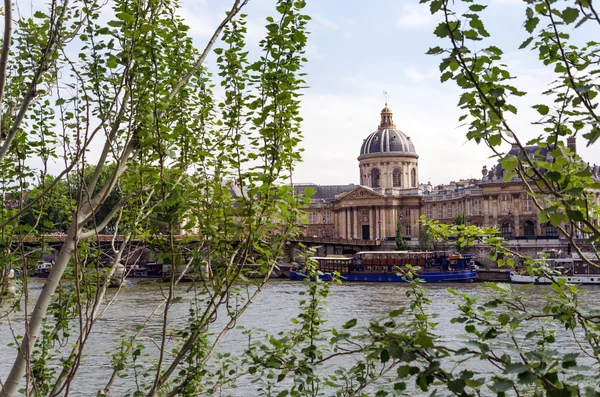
418,75
324,21
415,16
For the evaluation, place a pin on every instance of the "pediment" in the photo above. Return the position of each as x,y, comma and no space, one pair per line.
360,193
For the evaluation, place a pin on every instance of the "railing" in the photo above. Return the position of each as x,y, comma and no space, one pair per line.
344,241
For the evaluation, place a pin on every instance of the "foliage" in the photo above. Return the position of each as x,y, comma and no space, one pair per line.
401,243
117,95
460,219
426,238
562,186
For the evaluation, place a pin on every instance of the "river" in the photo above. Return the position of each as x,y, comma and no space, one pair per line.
273,310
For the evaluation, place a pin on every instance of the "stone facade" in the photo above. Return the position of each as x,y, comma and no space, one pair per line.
389,196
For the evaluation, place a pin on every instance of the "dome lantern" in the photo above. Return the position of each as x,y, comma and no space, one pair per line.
386,118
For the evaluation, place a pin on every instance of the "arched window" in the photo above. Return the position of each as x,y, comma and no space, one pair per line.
396,178
413,177
528,229
375,178
506,230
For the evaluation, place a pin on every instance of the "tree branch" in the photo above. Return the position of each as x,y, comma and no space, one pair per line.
5,46
90,233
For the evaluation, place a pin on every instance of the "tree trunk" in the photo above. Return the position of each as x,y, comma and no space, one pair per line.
39,312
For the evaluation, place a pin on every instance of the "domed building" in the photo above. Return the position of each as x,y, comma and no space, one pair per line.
388,158
388,194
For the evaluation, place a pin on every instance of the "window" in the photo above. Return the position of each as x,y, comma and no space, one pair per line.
528,229
551,230
311,217
407,230
440,213
326,216
506,198
460,207
506,230
396,178
428,212
407,211
450,211
375,177
413,177
527,203
476,207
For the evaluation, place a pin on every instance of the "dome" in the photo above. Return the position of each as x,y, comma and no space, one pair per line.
387,139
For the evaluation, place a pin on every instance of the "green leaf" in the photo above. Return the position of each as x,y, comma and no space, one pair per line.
349,324
384,356
477,7
516,368
554,176
525,43
111,62
424,340
527,377
502,384
570,15
441,30
435,51
542,109
557,218
495,140
503,318
575,215
531,23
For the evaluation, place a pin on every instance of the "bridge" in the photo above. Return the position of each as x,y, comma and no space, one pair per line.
325,245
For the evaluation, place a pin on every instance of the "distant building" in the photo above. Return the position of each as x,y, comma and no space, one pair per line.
389,195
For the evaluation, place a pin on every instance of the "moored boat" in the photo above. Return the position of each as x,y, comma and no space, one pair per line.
42,269
573,270
392,266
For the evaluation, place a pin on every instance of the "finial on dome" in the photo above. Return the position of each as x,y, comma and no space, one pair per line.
386,118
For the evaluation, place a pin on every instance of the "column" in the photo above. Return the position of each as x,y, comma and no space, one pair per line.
355,228
383,223
348,224
342,223
376,223
371,223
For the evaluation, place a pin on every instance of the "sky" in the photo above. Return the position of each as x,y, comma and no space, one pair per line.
358,49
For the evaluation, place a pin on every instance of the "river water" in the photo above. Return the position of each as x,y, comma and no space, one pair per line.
273,310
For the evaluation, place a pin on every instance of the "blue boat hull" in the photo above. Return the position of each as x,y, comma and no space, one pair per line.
428,277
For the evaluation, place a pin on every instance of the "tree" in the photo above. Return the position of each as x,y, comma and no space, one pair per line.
563,188
127,105
460,219
401,244
426,238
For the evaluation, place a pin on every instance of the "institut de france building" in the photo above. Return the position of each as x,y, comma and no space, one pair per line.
390,195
